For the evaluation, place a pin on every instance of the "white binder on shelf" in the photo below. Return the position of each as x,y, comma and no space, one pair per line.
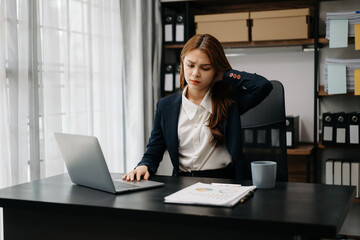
329,171
355,176
345,173
337,172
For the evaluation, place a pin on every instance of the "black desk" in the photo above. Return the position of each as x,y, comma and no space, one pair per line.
54,208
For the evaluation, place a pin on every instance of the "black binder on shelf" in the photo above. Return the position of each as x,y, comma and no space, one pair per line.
169,78
169,24
180,28
263,137
292,131
341,128
249,137
177,76
275,137
354,128
328,130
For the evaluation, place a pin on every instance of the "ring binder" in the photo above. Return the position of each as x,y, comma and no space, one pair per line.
343,172
328,128
248,137
337,172
262,137
292,131
354,126
341,129
355,176
275,137
329,172
169,78
177,76
180,28
169,28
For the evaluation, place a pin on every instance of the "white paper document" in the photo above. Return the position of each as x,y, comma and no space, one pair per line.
352,19
336,78
226,195
336,75
338,33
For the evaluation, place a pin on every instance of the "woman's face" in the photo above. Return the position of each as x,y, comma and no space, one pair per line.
198,71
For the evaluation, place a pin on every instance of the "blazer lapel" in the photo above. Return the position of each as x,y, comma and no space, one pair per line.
171,118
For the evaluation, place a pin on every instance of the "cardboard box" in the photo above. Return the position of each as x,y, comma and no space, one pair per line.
227,27
281,24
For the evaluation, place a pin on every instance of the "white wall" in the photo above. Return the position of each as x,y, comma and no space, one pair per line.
295,70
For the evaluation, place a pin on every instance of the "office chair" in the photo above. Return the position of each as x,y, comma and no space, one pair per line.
264,132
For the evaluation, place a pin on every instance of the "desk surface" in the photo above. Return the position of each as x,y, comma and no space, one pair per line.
289,208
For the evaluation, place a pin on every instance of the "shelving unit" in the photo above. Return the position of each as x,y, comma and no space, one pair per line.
336,102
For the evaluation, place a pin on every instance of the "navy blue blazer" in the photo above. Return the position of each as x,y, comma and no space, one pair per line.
248,91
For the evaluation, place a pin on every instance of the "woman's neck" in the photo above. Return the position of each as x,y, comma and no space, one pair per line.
195,96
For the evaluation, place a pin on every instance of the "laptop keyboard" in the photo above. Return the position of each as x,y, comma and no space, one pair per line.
124,185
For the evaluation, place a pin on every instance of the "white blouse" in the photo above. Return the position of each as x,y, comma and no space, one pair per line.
196,152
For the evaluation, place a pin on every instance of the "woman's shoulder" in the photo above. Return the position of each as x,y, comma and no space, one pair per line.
174,98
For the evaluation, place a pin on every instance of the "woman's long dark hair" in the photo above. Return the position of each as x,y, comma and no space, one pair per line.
220,93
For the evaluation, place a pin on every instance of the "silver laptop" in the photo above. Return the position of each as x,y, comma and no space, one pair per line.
87,166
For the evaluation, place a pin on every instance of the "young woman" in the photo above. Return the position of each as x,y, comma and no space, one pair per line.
200,126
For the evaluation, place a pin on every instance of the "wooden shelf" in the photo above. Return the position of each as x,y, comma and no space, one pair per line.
304,149
325,41
330,146
230,6
322,93
274,43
